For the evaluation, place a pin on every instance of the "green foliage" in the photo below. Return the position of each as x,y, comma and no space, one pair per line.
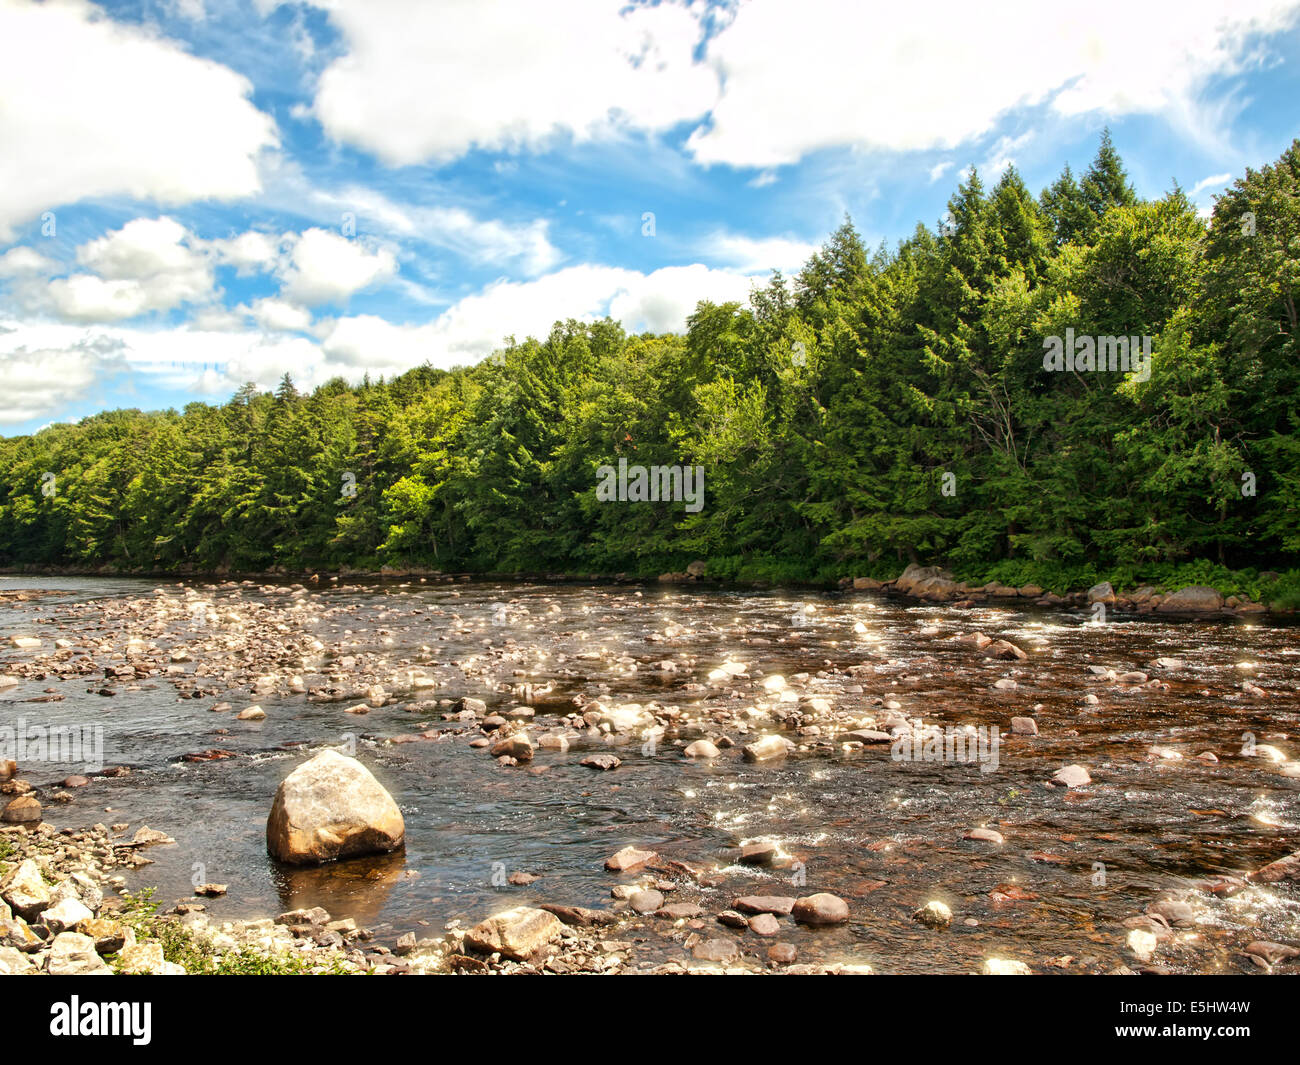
875,409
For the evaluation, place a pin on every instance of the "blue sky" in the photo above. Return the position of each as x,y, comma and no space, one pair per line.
201,192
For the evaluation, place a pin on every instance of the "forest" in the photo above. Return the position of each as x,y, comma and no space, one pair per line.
879,407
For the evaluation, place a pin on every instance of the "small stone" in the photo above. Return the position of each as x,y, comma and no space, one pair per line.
74,954
764,924
782,905
517,933
24,810
1006,967
984,835
716,950
821,909
251,713
767,749
782,954
25,890
1024,726
762,852
701,749
601,761
934,914
646,901
1072,776
628,860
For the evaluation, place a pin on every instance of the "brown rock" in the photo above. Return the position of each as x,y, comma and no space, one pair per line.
517,934
821,909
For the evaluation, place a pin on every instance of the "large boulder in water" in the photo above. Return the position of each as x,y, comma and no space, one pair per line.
331,807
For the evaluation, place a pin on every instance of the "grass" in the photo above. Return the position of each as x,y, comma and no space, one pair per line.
199,958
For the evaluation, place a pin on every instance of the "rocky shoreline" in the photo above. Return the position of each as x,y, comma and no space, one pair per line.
931,584
64,910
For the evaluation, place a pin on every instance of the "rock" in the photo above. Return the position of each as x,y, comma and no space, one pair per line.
866,584
764,924
628,860
517,933
1142,943
766,749
1008,652
1196,599
109,936
150,837
25,642
15,963
73,954
916,574
984,835
679,911
934,914
519,747
24,810
580,916
1287,868
1071,776
1024,726
251,713
820,909
1007,966
716,950
782,954
331,807
210,891
15,933
601,761
475,706
142,959
701,749
554,741
66,915
646,901
868,735
25,891
781,905
1102,593
1271,953
697,568
761,852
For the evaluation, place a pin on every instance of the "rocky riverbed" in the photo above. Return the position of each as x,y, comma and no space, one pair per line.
622,779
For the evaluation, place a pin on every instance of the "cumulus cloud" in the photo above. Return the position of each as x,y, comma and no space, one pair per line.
147,265
752,254
777,82
25,262
40,379
94,107
327,268
413,85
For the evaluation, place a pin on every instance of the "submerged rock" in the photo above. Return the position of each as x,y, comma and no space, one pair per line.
331,807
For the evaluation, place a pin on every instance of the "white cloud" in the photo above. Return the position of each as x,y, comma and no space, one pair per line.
428,82
491,241
39,380
327,268
475,326
25,262
939,169
93,107
753,255
147,265
248,252
931,74
280,317
1214,181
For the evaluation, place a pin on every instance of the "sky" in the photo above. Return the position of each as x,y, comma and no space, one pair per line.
199,193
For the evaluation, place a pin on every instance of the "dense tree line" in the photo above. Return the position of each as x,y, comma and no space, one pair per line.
877,408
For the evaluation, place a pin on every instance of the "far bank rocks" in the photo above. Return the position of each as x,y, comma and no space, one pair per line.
331,807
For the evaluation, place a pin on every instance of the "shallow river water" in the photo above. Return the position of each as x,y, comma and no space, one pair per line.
884,834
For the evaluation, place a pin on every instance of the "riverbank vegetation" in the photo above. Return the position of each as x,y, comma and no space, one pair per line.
878,408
